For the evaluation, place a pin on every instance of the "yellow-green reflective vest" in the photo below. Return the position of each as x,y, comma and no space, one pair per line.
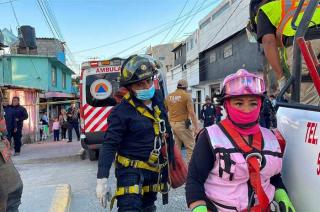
281,12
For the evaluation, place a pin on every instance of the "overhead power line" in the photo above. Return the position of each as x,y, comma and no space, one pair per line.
55,29
186,25
157,33
54,19
183,17
225,23
174,36
23,39
7,2
203,61
181,11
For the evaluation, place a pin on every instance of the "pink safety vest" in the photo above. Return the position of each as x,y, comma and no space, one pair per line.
227,184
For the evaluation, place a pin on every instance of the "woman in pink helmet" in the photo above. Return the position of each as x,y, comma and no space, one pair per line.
236,164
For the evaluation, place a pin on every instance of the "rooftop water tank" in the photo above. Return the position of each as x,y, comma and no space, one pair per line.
61,57
27,37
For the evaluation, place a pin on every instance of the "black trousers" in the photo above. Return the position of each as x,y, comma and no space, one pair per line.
16,139
63,133
56,135
75,126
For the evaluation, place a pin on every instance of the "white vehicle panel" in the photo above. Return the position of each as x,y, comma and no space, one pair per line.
301,163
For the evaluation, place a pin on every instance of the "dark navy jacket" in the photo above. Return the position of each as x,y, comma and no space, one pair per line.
9,116
20,114
130,134
208,112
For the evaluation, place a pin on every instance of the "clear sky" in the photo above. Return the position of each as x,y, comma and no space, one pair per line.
86,24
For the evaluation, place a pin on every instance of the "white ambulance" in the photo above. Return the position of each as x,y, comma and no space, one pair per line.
98,85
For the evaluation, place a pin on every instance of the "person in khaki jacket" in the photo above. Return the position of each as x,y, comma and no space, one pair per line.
180,108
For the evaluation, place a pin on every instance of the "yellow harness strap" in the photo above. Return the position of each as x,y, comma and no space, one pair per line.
136,189
126,162
155,117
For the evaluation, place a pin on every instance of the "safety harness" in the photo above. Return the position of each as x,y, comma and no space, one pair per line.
153,164
289,8
286,9
252,154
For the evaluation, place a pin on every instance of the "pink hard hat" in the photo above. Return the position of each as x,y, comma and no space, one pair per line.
242,83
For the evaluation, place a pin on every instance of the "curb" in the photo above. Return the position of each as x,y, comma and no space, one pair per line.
48,160
61,199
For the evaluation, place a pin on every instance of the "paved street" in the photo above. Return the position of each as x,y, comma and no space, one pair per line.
43,166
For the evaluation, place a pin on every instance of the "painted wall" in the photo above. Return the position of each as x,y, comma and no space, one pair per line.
244,55
164,54
28,99
5,75
225,20
181,59
58,87
192,46
193,73
192,57
173,76
29,71
33,72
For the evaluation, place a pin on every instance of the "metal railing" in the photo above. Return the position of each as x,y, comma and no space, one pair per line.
296,76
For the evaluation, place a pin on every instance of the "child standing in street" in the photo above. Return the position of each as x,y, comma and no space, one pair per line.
56,129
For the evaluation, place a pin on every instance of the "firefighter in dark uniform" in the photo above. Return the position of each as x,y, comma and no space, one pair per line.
137,127
208,113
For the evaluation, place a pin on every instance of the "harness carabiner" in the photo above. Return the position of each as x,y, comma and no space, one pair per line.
255,154
157,143
162,126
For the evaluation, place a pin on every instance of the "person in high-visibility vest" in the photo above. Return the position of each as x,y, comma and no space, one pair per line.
271,20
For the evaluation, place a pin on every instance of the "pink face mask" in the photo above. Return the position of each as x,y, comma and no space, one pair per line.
241,118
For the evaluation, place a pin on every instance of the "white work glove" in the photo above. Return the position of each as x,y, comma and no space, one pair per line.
103,192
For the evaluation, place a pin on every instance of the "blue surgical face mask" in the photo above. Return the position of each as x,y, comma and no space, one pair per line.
145,94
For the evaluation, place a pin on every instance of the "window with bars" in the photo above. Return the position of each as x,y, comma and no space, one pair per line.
227,51
64,80
53,76
213,57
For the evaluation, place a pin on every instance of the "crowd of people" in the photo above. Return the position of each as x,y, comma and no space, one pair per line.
61,125
15,114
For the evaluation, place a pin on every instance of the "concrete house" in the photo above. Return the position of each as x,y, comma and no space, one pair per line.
224,47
